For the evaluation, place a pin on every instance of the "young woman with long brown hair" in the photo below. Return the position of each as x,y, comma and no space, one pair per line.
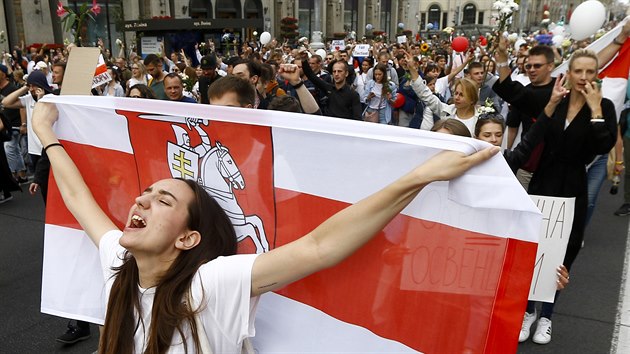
172,278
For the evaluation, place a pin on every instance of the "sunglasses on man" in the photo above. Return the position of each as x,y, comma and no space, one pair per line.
535,66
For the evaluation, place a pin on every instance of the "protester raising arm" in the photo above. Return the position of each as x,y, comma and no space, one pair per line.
319,83
74,191
501,58
348,230
291,73
536,134
609,52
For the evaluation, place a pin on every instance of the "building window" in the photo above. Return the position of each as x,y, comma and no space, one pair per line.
386,15
480,18
306,17
253,9
107,25
200,9
470,14
434,17
350,15
229,9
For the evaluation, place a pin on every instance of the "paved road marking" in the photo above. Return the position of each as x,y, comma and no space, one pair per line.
621,336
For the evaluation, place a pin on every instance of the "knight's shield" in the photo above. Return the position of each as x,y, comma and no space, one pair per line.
182,162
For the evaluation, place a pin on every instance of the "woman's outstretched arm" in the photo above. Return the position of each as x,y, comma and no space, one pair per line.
348,230
72,187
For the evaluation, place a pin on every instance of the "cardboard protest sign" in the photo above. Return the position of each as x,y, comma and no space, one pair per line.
79,73
552,246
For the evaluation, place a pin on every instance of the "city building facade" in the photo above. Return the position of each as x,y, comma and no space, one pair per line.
34,21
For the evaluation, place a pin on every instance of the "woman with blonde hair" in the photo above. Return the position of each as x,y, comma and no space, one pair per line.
465,97
139,74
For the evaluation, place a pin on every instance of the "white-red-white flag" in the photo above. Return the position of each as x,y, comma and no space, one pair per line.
451,272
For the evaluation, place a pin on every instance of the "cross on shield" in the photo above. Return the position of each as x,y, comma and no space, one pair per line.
182,162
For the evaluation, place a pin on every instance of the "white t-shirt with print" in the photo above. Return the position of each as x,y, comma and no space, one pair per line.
224,286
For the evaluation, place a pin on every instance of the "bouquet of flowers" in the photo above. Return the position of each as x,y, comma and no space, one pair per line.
487,108
187,81
506,9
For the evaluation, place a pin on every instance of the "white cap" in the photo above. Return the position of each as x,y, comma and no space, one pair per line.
41,65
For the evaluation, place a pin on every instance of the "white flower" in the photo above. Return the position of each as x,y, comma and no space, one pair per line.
513,5
498,5
183,76
118,42
226,37
484,110
506,10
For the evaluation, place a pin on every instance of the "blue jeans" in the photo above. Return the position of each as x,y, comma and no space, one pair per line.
13,150
596,175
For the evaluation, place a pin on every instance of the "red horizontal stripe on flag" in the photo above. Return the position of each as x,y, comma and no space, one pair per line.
110,175
420,283
620,66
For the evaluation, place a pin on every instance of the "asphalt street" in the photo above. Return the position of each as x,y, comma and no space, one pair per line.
584,321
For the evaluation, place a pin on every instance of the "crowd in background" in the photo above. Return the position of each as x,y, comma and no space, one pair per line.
420,83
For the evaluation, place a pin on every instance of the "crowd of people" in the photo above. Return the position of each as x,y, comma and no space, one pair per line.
568,128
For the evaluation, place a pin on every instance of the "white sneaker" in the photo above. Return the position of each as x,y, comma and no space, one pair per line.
543,331
528,321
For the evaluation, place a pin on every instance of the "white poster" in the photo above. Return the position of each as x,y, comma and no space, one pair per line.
338,44
402,39
361,50
150,45
554,236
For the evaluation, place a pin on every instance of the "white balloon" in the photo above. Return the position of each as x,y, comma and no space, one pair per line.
265,38
518,43
590,15
321,53
557,40
558,30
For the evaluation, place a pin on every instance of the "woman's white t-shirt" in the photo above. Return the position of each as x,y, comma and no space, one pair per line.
222,287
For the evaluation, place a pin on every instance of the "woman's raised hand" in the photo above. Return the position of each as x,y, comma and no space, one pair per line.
451,164
559,91
412,66
593,94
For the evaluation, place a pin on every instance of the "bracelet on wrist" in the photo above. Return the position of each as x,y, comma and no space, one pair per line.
52,145
618,162
298,85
